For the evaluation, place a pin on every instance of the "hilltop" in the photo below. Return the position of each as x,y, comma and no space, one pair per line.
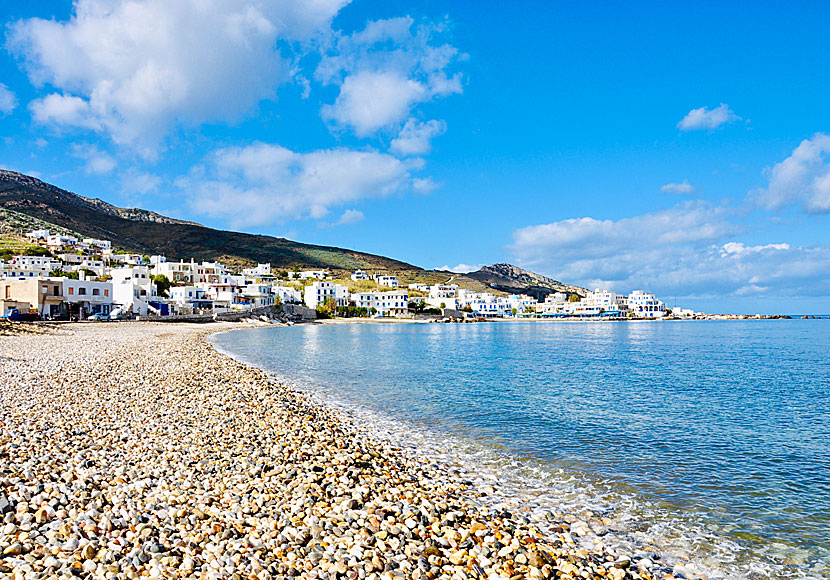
28,203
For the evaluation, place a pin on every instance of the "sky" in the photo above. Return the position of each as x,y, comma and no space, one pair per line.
679,149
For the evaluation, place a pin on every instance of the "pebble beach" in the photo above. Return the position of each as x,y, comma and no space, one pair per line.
137,450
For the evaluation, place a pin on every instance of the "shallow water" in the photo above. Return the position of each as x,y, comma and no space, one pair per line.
705,437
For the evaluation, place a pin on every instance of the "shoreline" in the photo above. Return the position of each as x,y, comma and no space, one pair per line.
185,462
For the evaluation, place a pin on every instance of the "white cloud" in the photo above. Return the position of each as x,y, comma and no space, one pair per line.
384,71
265,183
8,102
97,162
424,185
803,178
704,118
135,184
688,250
135,68
371,100
461,268
415,137
350,216
682,188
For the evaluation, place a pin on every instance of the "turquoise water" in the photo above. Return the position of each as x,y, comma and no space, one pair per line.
709,437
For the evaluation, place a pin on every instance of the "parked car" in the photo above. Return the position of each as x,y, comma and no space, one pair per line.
98,317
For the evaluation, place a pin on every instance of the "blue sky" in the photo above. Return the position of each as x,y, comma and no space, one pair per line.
681,151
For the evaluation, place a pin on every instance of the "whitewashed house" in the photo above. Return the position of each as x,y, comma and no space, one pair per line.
98,244
287,294
56,241
190,299
359,275
645,305
388,281
258,272
37,264
395,303
87,297
133,290
38,234
606,302
318,292
258,295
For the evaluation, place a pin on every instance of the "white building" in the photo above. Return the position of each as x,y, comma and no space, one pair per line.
309,275
59,241
157,260
605,302
190,272
87,297
38,234
38,264
359,275
645,305
395,303
287,294
133,290
259,271
388,281
318,292
419,287
189,299
258,295
99,244
443,296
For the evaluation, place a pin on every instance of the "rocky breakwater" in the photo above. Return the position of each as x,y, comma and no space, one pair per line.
133,451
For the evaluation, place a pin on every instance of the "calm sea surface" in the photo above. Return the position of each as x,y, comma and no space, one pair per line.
708,439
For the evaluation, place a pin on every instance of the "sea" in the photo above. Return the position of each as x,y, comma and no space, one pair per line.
707,442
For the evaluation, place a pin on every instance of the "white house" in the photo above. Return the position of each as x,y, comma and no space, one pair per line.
190,298
37,264
359,275
287,295
258,295
645,305
87,297
309,275
443,296
259,271
606,302
38,234
318,292
59,241
133,289
388,281
100,244
190,272
395,303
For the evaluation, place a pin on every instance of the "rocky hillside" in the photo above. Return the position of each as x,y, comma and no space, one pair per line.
512,279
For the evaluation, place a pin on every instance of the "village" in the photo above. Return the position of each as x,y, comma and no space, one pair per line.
85,279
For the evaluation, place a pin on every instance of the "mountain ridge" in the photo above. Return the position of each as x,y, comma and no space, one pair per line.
147,232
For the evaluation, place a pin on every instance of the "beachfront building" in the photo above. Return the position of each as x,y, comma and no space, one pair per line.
258,295
287,294
419,287
88,263
359,275
556,304
606,303
133,290
394,303
87,297
443,296
41,295
190,299
645,305
388,281
318,292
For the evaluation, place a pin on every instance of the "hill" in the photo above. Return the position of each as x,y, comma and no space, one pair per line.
515,280
27,203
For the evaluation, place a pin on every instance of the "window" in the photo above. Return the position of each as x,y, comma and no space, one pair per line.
96,292
106,292
82,291
71,291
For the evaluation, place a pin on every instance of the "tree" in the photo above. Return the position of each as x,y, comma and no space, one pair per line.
283,274
574,298
162,285
443,305
513,311
467,308
329,306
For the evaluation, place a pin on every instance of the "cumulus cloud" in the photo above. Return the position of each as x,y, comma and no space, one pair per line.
265,183
704,118
8,102
802,179
97,162
682,188
688,250
350,216
415,137
135,68
384,71
461,268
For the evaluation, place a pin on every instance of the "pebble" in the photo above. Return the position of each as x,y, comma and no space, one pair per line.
136,450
